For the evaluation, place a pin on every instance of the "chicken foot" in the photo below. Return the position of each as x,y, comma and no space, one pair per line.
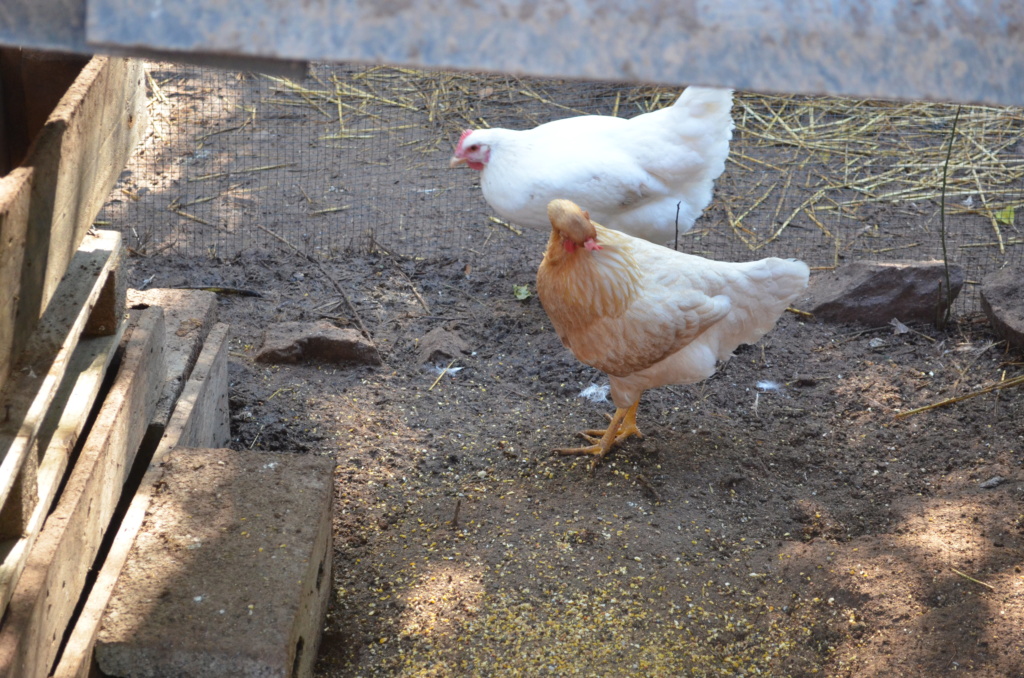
621,426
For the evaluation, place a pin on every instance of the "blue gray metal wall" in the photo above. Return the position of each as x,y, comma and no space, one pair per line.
950,50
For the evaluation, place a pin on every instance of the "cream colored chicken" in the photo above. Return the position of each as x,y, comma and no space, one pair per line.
649,316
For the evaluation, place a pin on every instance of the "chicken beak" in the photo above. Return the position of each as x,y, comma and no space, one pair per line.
456,161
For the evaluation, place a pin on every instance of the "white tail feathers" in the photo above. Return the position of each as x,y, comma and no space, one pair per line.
705,102
775,283
790,277
760,292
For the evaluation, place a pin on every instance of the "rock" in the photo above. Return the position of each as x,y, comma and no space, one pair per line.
439,344
873,293
1002,299
993,482
297,342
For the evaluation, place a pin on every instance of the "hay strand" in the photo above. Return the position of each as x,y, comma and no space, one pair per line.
1009,383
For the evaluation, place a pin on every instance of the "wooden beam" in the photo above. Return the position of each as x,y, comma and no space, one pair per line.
58,436
26,397
54,576
48,204
200,419
189,315
15,202
78,157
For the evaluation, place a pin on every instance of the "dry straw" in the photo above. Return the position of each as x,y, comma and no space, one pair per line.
810,162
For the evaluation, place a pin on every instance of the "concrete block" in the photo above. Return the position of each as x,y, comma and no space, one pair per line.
229,575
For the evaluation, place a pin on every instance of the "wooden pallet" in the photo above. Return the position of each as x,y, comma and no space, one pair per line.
54,562
62,329
200,419
27,398
49,203
62,428
54,576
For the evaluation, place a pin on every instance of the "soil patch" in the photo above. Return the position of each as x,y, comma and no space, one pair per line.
777,518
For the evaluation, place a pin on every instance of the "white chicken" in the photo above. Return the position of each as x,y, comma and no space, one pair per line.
649,176
649,316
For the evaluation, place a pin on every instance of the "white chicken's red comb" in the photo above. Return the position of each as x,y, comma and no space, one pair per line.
458,146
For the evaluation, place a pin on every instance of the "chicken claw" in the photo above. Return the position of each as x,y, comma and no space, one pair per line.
620,427
626,429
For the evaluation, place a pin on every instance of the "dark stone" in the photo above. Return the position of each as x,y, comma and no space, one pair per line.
1002,299
297,342
873,293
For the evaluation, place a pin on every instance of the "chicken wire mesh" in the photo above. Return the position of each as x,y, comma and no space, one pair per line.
354,158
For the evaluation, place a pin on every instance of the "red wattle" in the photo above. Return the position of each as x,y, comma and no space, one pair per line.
569,246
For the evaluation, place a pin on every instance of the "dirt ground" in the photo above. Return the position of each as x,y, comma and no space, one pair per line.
789,529
777,519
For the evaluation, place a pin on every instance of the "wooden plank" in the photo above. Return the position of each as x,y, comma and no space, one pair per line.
54,576
58,436
200,419
78,157
48,205
15,202
189,315
108,312
27,396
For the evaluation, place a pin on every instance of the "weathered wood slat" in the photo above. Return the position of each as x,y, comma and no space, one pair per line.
27,396
189,315
58,436
15,203
200,419
48,205
54,576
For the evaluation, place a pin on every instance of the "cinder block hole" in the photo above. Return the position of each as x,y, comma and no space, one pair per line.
298,656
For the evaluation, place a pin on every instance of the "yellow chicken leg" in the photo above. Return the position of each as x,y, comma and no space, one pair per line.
621,426
627,427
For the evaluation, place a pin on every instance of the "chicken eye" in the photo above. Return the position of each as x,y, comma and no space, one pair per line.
475,147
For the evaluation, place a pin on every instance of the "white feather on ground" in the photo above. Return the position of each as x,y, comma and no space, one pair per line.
596,393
